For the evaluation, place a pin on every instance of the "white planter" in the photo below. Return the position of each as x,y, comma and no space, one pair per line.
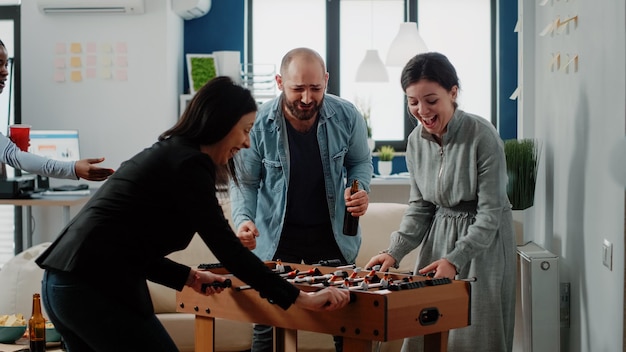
519,218
384,168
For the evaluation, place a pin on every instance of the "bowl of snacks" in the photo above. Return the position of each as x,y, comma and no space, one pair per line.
52,335
12,327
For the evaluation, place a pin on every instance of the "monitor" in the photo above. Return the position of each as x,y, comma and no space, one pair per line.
55,144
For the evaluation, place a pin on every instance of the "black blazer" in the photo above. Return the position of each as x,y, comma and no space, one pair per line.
152,206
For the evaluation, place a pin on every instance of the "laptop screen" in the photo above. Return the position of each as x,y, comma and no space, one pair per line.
55,144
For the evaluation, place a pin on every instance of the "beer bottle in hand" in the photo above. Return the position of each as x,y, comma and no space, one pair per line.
351,223
37,327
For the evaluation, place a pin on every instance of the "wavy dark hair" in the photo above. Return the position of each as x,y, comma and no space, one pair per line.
431,66
211,114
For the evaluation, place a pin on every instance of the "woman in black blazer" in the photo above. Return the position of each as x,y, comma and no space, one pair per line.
94,287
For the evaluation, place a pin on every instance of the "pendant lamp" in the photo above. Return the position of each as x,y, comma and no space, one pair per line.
407,43
372,68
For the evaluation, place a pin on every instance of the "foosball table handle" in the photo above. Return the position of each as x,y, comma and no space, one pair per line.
216,284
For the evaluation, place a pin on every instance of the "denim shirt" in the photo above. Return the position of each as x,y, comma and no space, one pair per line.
264,178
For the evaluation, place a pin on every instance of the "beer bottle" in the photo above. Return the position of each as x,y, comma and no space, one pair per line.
351,223
37,327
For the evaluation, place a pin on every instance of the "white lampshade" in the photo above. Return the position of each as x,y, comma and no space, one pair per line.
372,68
405,45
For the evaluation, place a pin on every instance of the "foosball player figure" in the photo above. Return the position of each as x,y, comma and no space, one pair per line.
371,274
346,283
280,268
355,274
384,282
290,275
365,283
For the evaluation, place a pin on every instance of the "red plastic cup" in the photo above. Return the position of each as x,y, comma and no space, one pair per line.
20,135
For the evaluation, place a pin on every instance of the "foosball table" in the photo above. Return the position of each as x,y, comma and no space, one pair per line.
383,307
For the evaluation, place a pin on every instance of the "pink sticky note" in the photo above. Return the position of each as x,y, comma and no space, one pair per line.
121,48
91,47
59,48
121,61
59,62
121,75
91,73
59,76
91,60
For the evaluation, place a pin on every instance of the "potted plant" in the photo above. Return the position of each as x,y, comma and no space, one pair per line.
522,159
385,159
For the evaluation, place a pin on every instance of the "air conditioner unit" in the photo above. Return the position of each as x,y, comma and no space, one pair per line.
190,9
119,7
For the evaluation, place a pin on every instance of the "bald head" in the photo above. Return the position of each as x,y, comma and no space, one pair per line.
301,55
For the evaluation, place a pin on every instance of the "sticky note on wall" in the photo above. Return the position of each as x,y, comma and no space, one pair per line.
76,48
75,61
76,76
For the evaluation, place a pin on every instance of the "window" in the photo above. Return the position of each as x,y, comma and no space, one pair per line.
460,29
281,25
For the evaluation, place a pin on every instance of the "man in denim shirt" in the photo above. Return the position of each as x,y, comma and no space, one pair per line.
306,148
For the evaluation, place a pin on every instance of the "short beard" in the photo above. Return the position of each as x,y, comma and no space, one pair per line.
299,114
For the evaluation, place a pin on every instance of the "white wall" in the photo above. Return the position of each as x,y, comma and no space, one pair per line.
579,116
115,119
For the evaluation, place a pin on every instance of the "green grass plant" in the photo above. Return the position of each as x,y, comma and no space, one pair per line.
522,161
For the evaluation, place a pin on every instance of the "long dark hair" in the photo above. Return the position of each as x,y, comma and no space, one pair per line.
212,113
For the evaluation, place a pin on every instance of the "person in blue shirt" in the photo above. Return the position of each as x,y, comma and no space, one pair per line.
307,147
11,155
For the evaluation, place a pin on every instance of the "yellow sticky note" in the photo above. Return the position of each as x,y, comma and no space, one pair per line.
105,60
105,73
75,61
76,76
76,48
106,48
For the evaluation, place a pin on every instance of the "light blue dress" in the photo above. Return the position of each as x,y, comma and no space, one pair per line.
35,164
459,210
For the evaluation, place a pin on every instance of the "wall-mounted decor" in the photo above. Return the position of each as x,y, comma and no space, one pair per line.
201,68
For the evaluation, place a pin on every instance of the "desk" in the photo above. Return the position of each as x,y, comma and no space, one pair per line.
62,201
374,315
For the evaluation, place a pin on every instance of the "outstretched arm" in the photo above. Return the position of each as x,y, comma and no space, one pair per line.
86,169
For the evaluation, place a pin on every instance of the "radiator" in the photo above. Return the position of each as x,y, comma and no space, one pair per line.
540,300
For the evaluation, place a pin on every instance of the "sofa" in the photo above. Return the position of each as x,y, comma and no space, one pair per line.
20,277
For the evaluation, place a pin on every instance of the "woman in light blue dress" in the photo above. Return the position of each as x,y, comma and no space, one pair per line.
458,211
